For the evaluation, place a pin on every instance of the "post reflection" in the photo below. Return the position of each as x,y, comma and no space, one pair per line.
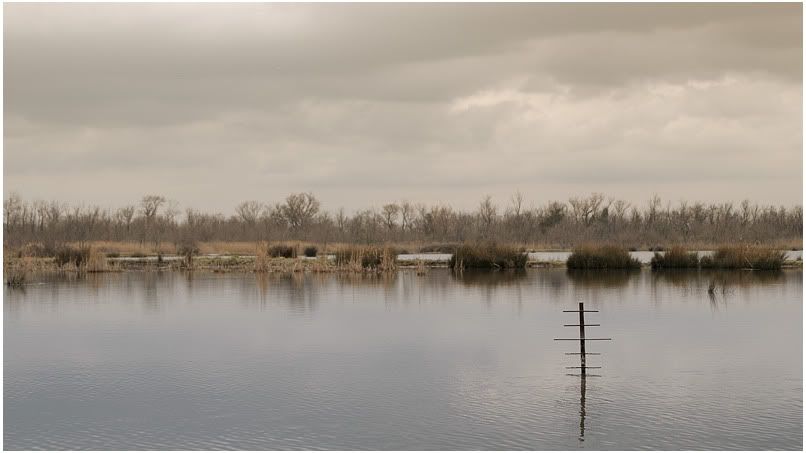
582,389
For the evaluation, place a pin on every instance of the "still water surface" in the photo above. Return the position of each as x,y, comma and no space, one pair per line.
235,361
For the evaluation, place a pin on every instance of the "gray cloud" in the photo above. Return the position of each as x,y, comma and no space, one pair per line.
365,103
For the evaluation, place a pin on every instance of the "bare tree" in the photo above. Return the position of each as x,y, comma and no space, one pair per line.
487,214
249,211
299,209
390,212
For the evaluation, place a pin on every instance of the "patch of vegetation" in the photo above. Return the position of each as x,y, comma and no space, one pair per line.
282,251
310,251
675,258
187,250
96,261
16,273
76,256
358,258
601,257
488,256
439,248
732,257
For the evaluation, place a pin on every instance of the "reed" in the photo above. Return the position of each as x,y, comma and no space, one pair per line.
262,257
96,261
675,258
744,257
76,256
16,272
487,255
601,257
360,258
421,268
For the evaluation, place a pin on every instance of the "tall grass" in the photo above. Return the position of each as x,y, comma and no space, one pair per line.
489,256
732,257
16,272
675,258
96,261
262,257
359,258
77,256
601,257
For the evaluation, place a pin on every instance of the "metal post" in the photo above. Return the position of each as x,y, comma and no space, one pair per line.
582,337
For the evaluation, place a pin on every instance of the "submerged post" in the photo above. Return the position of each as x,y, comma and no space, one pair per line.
582,337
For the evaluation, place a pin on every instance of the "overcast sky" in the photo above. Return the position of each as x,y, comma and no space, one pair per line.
362,104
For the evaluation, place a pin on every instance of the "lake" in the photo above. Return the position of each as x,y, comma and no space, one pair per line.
148,360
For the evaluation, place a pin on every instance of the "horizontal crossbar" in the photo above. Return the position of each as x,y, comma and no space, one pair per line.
579,353
583,367
583,325
577,339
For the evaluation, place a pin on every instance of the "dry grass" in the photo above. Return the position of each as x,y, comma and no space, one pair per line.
96,261
601,257
262,257
362,258
421,268
489,256
15,271
748,257
675,258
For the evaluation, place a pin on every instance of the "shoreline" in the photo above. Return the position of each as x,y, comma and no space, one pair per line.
246,264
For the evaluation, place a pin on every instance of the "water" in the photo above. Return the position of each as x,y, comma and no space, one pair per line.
238,361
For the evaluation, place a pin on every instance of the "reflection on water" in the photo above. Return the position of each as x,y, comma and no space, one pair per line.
610,278
582,387
440,361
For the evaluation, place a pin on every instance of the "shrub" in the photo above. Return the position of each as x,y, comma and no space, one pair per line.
490,256
282,251
187,250
675,258
744,258
439,248
310,251
601,257
71,255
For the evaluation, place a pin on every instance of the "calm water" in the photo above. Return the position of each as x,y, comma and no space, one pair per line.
222,361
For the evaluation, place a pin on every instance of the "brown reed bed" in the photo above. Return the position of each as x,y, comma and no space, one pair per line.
601,257
487,256
675,258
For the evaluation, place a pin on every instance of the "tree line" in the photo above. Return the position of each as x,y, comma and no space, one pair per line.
562,224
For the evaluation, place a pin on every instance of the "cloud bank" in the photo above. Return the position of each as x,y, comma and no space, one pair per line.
367,103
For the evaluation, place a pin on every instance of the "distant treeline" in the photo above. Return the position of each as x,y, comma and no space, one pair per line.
559,224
